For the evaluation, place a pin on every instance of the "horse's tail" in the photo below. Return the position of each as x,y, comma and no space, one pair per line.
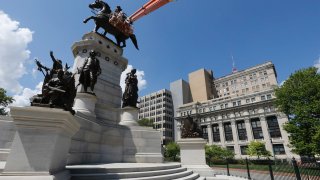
134,40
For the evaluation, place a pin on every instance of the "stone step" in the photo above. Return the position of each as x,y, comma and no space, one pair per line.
192,176
120,167
124,175
132,171
201,178
165,177
154,177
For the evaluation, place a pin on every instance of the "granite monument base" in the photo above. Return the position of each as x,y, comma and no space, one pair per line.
41,143
141,144
192,154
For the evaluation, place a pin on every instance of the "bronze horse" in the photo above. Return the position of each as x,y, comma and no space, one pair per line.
102,20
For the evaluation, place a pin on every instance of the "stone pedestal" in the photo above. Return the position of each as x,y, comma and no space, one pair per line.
112,63
41,143
192,155
85,103
129,116
142,145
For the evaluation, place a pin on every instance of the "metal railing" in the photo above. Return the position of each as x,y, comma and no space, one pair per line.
291,169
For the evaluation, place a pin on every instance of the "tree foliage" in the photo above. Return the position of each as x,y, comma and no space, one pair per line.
145,122
217,152
299,99
4,101
172,151
257,148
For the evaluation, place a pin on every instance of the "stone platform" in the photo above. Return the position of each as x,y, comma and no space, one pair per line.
133,171
138,171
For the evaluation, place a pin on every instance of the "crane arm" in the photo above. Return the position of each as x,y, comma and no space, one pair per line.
147,8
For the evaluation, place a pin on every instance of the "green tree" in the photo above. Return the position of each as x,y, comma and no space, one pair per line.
316,139
257,148
172,151
299,99
145,122
4,101
214,152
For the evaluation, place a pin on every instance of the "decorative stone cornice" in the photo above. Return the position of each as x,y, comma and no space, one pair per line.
103,46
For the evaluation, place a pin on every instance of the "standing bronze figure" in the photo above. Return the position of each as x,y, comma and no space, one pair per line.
108,20
90,71
130,95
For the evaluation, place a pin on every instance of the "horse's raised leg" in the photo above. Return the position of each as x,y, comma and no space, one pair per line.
89,18
96,28
118,41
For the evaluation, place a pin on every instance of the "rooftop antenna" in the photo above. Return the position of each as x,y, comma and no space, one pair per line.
234,69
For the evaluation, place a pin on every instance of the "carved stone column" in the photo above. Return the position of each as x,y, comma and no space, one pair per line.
210,135
221,130
248,129
266,134
235,137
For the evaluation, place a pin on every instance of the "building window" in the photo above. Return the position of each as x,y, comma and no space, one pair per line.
263,98
278,149
256,128
243,150
242,134
247,100
239,103
273,126
268,96
216,133
230,148
204,132
234,104
228,131
253,99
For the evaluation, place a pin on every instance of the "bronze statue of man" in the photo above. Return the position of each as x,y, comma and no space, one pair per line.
56,66
56,89
90,71
130,95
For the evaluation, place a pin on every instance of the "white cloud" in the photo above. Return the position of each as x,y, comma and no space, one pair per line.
282,83
142,83
13,53
317,65
23,99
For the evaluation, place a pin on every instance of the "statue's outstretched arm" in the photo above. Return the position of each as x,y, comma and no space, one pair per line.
52,57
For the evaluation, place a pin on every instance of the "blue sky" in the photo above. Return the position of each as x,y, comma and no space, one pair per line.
182,36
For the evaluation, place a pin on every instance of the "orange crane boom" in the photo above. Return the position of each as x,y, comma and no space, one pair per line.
147,8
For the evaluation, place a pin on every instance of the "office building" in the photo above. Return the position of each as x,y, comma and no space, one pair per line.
158,108
237,108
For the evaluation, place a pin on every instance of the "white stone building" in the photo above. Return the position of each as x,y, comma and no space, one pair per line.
158,107
238,108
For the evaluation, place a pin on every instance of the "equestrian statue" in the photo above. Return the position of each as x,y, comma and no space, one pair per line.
116,23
